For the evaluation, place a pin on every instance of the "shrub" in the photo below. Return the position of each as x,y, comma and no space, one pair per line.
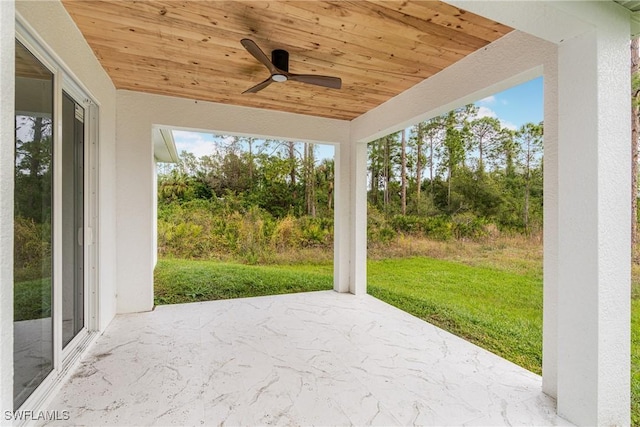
376,223
251,240
468,226
181,239
385,234
406,223
230,232
315,232
437,228
286,234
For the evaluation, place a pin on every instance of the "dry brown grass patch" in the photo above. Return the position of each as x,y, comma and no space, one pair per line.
512,253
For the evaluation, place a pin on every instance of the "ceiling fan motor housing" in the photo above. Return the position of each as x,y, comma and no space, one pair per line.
280,58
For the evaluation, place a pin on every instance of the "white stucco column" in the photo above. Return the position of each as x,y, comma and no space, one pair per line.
593,334
551,239
135,206
358,231
342,218
7,129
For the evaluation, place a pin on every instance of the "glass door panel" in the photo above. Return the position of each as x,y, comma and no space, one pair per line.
72,218
33,255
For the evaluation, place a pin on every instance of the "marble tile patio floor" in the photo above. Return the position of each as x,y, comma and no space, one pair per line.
319,358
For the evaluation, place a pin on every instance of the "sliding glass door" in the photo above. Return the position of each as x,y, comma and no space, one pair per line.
51,251
72,218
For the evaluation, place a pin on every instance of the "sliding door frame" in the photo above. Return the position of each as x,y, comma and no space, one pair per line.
65,81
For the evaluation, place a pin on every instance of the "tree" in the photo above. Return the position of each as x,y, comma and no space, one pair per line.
174,186
403,172
188,164
309,175
326,176
250,141
387,168
418,142
272,188
287,150
209,171
485,137
529,138
291,151
507,152
434,134
376,162
453,146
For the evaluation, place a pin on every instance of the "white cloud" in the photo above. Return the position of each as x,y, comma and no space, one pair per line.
488,112
200,144
508,125
227,139
489,100
485,112
492,100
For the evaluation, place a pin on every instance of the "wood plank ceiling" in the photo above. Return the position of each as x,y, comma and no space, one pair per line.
192,49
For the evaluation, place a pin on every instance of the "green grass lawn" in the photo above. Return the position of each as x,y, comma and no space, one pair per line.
180,281
494,306
635,361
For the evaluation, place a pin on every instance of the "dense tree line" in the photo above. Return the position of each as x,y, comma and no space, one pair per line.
459,165
456,175
282,178
250,200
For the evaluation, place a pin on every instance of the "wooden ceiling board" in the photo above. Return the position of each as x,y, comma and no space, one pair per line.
192,49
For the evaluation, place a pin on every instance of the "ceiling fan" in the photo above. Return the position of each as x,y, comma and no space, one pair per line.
279,69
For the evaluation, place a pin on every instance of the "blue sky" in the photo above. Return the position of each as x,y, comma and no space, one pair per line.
514,107
200,144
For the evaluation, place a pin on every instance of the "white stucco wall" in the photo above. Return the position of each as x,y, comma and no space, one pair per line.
135,200
7,131
50,22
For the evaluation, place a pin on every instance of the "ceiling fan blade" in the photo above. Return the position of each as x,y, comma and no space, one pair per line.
259,86
254,50
325,81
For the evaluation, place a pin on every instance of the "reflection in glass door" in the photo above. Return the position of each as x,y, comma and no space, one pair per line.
72,218
33,255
